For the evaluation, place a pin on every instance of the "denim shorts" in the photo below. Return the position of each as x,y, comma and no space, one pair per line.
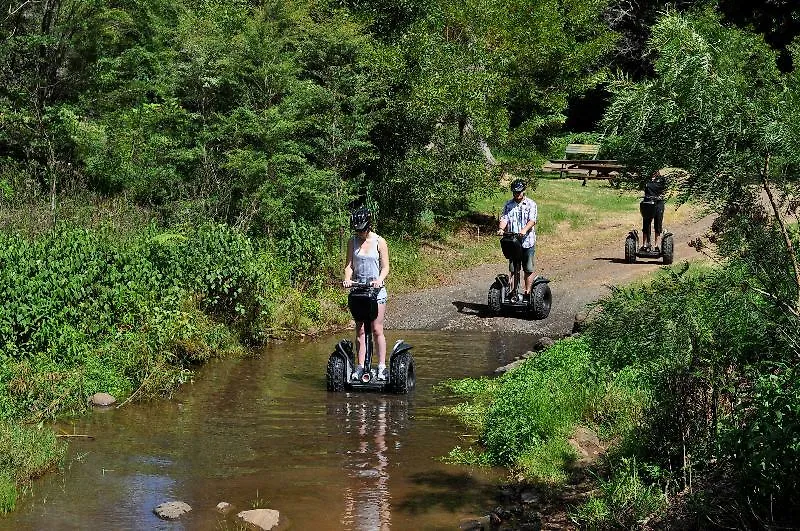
382,295
527,259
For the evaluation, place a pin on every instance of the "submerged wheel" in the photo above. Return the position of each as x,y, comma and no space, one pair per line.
630,249
667,248
495,299
402,372
335,374
541,301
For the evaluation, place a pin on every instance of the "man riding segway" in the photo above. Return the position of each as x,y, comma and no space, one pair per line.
518,242
519,217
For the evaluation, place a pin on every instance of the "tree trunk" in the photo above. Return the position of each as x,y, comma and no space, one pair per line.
483,146
787,240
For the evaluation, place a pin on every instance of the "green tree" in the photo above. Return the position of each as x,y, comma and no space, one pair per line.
720,109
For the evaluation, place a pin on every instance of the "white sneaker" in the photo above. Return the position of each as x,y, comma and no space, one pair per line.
383,374
358,373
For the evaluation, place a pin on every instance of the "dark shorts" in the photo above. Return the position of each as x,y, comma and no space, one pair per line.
652,213
527,259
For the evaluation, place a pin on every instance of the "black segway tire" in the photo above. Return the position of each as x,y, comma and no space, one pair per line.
630,249
402,373
541,301
667,249
495,301
335,373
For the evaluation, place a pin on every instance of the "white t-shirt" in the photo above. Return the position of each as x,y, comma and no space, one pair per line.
517,215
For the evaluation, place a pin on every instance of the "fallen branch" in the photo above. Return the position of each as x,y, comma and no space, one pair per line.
73,436
135,392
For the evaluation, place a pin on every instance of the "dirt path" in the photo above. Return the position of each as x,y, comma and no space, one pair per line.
579,274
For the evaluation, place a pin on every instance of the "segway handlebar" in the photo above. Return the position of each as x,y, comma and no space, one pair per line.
361,285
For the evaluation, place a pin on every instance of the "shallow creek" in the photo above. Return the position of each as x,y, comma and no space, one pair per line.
263,432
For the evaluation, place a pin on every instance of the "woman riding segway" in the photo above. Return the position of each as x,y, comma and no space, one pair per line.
368,260
652,210
366,268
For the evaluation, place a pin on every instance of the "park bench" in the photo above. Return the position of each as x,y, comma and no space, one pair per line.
574,153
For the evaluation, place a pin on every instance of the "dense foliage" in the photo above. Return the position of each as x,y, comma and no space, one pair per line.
722,347
255,114
86,312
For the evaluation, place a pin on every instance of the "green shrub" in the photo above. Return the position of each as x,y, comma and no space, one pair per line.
542,399
710,360
764,440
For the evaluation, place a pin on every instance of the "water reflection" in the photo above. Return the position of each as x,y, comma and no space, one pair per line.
372,424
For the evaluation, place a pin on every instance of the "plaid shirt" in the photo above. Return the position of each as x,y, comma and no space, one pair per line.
517,215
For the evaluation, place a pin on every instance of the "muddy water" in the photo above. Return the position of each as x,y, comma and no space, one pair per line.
263,432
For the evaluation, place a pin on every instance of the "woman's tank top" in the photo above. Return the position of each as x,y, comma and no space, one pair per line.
367,263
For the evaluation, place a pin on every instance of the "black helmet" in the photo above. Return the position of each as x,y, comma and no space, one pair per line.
518,186
360,219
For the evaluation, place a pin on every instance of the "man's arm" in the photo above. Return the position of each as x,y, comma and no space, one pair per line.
533,215
503,220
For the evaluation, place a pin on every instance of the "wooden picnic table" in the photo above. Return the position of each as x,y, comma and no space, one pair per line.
602,167
587,161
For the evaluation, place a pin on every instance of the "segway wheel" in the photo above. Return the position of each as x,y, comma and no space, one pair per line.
667,249
630,249
541,301
495,299
402,373
335,374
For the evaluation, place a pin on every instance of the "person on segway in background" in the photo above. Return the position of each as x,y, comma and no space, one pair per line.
367,262
519,216
652,210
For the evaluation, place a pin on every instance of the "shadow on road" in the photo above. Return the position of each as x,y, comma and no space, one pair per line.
472,308
617,260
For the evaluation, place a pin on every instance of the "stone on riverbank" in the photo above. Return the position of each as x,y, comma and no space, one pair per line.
546,342
512,365
581,322
102,400
172,510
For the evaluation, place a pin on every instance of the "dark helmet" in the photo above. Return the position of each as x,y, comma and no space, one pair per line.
360,219
518,186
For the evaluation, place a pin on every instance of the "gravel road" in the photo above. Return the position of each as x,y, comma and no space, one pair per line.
575,282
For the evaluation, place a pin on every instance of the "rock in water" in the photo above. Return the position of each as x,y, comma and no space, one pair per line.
102,400
172,510
265,519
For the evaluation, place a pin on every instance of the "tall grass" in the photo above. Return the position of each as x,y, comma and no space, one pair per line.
25,453
524,417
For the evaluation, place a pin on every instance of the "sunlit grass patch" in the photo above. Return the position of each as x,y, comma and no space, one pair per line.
548,462
467,456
